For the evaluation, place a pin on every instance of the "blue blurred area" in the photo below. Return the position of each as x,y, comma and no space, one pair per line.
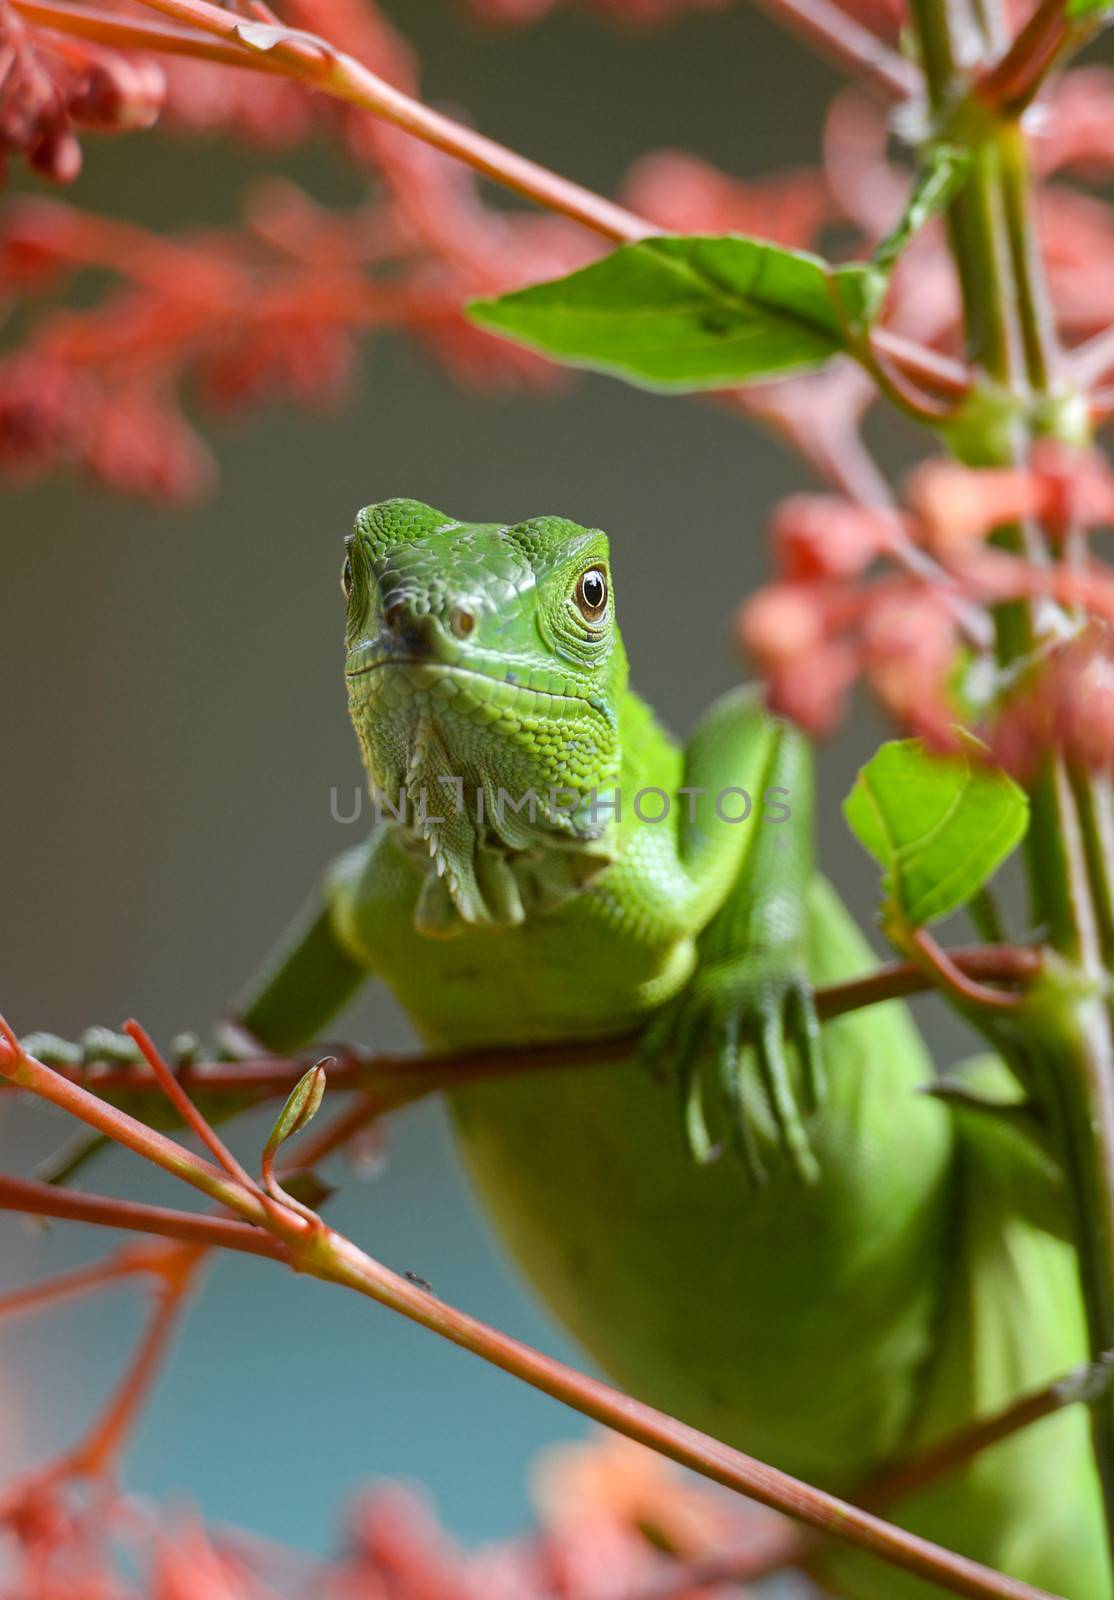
172,722
285,1396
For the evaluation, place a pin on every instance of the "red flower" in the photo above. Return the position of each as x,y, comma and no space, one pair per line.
50,82
140,444
43,404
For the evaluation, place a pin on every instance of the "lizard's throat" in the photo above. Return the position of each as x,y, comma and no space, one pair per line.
504,834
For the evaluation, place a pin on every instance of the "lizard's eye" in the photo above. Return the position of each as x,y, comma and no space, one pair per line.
346,578
591,594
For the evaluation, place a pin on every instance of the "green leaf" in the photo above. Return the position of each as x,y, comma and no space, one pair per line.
862,285
680,313
301,1107
939,826
1089,10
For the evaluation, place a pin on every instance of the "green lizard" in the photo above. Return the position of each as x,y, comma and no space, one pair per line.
877,1268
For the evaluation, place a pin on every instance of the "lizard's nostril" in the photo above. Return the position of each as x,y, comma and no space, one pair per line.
462,622
394,617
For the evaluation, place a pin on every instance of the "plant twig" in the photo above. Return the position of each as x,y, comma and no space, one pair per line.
34,1199
313,61
392,1081
783,1544
23,1069
835,34
82,1280
94,1455
185,1107
323,1253
953,978
318,63
1081,1387
1008,85
138,33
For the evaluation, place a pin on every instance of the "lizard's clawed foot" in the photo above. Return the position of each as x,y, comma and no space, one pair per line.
729,1029
99,1050
102,1046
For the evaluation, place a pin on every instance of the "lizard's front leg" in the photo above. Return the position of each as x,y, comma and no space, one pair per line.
744,1031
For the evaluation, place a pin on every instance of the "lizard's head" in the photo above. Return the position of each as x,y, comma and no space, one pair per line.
484,669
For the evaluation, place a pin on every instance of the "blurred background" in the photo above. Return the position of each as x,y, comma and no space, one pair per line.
172,726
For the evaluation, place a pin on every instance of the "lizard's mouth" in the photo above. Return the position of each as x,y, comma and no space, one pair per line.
501,683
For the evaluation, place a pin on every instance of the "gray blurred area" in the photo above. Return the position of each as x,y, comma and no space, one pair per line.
172,723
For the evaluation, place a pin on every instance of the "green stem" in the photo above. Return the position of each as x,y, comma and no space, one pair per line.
1011,338
1094,799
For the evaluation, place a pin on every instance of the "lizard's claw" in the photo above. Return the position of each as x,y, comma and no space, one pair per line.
727,1032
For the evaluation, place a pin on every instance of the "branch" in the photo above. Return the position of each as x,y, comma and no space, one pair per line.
1082,1387
94,1455
313,61
34,1199
841,39
783,1545
320,1252
952,977
1012,82
82,1280
135,33
392,1081
27,1073
316,62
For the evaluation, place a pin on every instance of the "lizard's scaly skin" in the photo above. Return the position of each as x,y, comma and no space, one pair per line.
828,1327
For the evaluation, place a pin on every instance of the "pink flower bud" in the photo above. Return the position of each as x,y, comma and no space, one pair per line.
822,536
43,405
958,505
120,92
909,653
813,691
57,156
1076,487
142,446
781,623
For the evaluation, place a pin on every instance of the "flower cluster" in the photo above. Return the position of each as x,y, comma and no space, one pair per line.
901,598
613,1520
275,307
51,84
268,310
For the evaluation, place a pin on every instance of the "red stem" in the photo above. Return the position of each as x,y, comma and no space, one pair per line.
314,61
953,978
829,29
82,1280
328,1255
70,1205
24,1070
185,1107
395,1080
137,33
94,1456
1011,83
337,1260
